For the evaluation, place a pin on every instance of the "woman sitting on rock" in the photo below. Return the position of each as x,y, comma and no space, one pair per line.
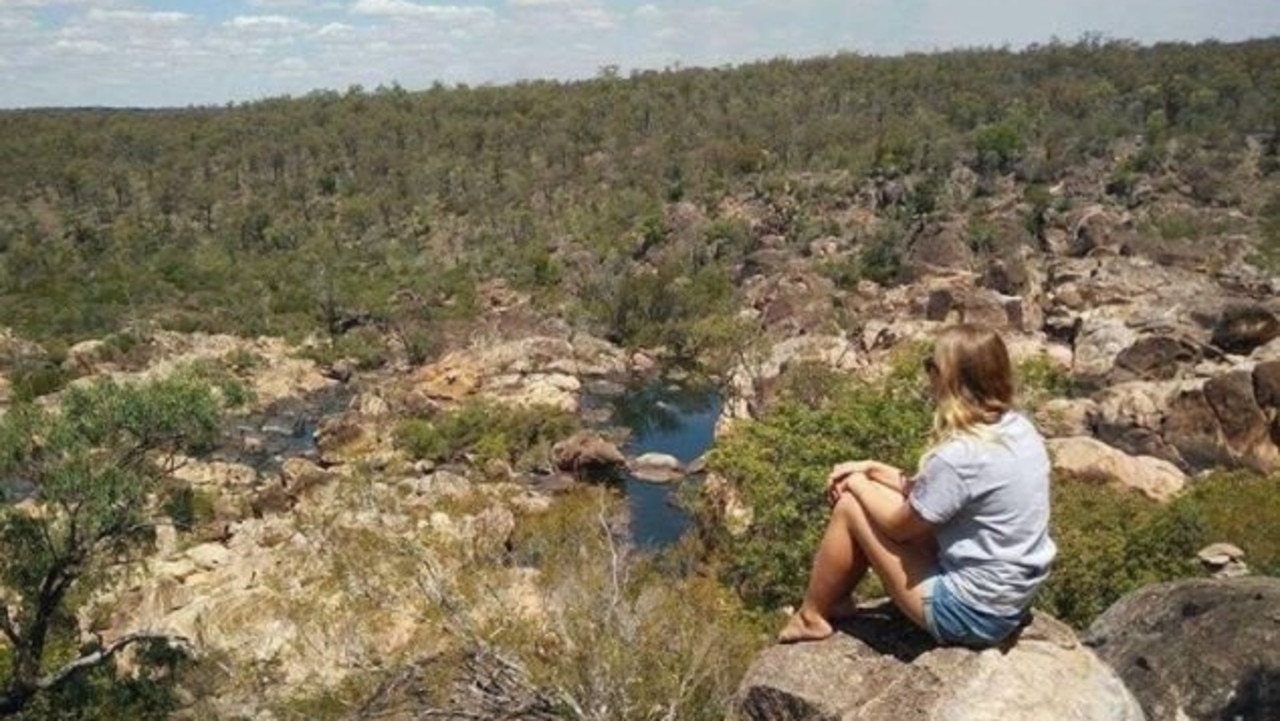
963,546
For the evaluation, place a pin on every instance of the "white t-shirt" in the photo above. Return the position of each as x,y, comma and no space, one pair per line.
988,497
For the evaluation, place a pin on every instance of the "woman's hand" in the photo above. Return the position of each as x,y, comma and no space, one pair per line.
882,473
844,484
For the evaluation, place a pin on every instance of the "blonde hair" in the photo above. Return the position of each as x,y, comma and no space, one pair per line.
973,381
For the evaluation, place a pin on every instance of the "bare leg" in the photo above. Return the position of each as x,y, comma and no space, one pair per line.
838,567
902,567
850,545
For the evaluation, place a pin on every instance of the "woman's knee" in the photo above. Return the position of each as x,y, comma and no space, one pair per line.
849,511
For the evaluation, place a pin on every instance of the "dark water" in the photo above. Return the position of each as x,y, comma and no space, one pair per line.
679,421
284,430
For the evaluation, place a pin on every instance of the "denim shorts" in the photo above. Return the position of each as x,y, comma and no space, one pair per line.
951,622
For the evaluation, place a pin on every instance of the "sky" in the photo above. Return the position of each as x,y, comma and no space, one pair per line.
185,52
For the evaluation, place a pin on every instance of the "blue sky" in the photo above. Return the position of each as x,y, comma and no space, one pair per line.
180,52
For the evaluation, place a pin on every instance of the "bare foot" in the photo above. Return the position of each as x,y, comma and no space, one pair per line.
845,609
805,625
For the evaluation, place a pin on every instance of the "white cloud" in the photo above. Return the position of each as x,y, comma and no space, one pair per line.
266,23
292,66
137,17
6,4
21,22
334,29
85,47
281,4
549,3
404,8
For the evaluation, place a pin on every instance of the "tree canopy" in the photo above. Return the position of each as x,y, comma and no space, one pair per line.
87,473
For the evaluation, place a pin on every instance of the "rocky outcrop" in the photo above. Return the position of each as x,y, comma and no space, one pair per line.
1066,417
724,501
939,248
1098,229
586,452
752,382
1231,418
1223,560
1241,329
656,468
273,370
1090,458
342,582
1197,650
880,667
531,371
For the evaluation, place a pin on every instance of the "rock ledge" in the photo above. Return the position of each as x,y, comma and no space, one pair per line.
879,667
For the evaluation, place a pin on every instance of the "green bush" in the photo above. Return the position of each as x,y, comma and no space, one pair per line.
1241,508
365,346
1040,379
486,430
1268,252
882,259
35,379
188,508
1112,541
780,465
998,147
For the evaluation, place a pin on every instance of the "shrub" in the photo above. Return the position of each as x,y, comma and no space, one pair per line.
622,637
982,237
188,508
998,147
1040,380
1268,252
1112,541
34,379
1241,508
780,464
882,259
365,346
487,430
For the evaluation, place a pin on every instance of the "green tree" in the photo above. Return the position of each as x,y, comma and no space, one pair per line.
88,469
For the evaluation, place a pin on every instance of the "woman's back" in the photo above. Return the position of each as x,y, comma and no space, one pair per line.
988,496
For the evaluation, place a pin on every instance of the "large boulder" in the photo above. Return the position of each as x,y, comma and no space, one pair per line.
1066,417
939,248
657,468
1099,341
1197,650
1155,478
1229,419
1245,426
1245,327
586,451
880,667
1095,228
1156,357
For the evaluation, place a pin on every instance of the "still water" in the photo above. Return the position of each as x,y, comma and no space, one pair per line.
675,420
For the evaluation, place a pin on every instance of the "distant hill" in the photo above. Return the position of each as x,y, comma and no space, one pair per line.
292,215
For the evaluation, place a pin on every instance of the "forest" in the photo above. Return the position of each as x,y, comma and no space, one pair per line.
294,215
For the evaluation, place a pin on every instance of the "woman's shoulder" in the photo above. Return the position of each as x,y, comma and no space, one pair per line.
977,448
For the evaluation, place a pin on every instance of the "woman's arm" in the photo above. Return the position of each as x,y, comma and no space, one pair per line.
888,510
883,473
